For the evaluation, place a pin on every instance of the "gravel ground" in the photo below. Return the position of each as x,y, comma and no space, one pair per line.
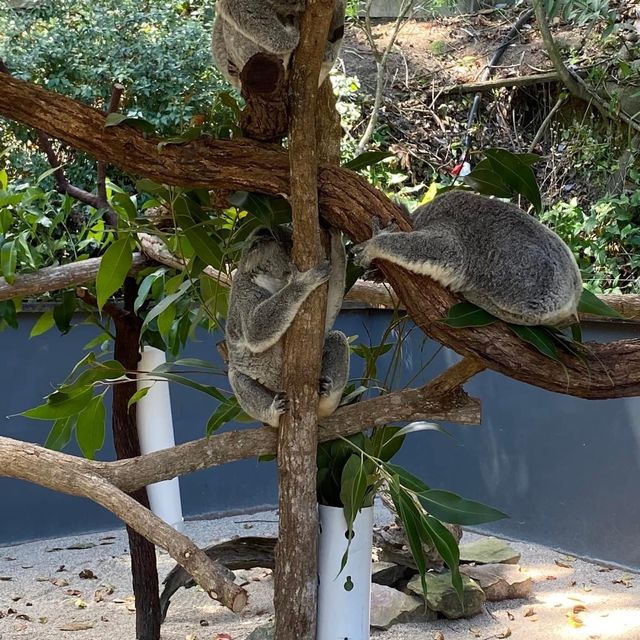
42,595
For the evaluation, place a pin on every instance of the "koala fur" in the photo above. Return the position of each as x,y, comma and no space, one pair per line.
243,28
496,255
266,293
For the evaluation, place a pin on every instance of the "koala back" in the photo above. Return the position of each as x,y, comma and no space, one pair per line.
513,266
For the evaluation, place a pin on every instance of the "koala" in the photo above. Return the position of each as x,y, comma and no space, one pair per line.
493,253
266,293
243,28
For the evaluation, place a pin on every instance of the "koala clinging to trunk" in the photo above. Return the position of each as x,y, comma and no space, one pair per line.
496,255
243,28
266,293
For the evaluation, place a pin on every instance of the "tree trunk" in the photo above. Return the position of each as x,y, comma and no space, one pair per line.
144,569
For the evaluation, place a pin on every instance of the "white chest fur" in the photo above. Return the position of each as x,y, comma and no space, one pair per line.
271,284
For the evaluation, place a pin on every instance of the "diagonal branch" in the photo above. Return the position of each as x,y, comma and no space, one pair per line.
347,202
68,475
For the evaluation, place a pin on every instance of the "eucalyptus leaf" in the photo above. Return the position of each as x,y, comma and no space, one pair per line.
43,324
517,174
60,405
466,314
538,337
226,412
113,270
8,261
450,507
367,159
60,434
447,547
137,396
90,427
590,303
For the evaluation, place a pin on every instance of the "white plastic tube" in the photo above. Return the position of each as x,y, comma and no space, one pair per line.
155,431
344,597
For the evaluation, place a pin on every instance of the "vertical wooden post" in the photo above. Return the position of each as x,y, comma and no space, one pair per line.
296,580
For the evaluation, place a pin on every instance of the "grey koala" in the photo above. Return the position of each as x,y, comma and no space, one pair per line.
243,28
496,255
266,293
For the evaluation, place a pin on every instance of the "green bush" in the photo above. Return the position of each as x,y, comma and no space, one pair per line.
160,52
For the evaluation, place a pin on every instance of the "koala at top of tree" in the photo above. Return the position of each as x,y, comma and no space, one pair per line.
243,28
266,293
496,255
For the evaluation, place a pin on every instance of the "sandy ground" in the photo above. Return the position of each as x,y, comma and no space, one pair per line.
42,595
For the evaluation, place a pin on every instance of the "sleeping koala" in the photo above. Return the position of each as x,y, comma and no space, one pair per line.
266,293
243,28
493,253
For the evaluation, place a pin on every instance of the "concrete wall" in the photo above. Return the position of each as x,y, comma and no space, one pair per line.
566,470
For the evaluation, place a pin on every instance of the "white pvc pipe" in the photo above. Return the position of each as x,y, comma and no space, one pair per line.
155,431
344,597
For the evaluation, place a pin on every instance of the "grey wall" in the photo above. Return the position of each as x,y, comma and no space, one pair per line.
566,470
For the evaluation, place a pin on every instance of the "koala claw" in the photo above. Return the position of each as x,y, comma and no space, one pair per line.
280,403
360,254
326,385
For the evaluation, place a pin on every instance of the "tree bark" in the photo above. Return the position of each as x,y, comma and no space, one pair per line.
296,573
347,202
144,568
134,473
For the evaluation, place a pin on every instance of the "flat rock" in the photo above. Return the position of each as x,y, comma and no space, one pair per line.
389,574
488,551
442,597
265,632
499,581
390,606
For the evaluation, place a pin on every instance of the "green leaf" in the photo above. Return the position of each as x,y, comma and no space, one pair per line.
114,267
117,119
206,245
538,337
166,302
192,384
9,313
137,396
47,173
406,479
43,324
226,412
386,442
590,303
190,134
60,405
90,427
353,489
465,314
60,434
516,174
4,180
145,287
8,261
367,159
450,507
447,547
63,312
486,181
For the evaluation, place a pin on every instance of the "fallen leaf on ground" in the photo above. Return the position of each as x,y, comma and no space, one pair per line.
505,634
60,569
43,620
73,592
529,612
574,621
438,635
578,608
5,578
53,549
76,626
23,616
223,636
81,545
476,632
551,578
510,615
87,574
81,604
204,623
59,582
565,565
605,569
625,580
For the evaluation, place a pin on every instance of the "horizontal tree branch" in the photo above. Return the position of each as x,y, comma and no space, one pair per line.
73,475
134,473
499,83
347,202
61,277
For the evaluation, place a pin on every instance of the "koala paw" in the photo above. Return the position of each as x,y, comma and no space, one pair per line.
280,403
377,229
316,276
362,254
326,385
